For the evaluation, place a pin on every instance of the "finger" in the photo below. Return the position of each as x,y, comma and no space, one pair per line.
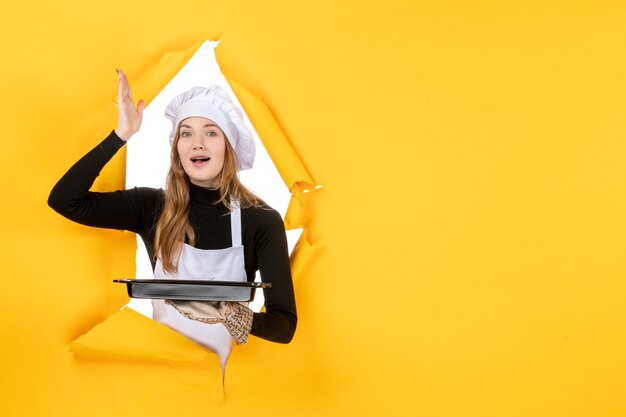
124,88
141,105
119,85
129,92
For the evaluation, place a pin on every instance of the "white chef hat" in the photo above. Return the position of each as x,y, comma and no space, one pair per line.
214,103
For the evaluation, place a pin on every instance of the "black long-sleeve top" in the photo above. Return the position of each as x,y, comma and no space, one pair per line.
138,210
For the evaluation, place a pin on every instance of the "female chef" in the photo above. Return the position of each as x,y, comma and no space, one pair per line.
204,225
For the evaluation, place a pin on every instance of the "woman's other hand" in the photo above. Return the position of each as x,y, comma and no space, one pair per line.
128,117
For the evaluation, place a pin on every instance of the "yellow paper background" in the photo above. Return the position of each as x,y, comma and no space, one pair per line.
472,212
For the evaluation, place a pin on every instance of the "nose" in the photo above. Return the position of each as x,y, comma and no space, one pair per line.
197,143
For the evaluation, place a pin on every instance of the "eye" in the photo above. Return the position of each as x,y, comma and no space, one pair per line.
185,134
211,133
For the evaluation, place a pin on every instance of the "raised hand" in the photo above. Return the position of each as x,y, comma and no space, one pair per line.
128,117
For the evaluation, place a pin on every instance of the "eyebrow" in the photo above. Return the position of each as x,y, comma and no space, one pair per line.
206,125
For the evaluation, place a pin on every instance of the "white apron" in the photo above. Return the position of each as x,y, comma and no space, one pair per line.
201,264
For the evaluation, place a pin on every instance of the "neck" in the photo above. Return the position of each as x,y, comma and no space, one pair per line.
204,195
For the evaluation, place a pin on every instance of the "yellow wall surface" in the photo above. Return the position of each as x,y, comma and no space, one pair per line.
473,214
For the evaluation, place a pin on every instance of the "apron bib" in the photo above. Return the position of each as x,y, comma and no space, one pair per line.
201,264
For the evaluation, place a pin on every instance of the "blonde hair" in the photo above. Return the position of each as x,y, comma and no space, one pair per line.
173,228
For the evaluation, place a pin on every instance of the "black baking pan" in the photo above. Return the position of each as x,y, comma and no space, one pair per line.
196,290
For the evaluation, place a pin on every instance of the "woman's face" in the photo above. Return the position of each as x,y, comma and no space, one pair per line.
201,146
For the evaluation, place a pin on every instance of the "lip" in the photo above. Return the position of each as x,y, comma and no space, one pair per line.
199,159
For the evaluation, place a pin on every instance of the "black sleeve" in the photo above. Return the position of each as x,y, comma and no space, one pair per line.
71,197
278,322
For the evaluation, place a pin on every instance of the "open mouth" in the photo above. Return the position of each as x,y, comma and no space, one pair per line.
200,159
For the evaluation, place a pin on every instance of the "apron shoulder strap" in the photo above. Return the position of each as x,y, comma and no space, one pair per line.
235,223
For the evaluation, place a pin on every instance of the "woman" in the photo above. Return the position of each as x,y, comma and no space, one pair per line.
204,225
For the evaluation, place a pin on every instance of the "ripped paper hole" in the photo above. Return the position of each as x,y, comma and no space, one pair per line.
129,335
